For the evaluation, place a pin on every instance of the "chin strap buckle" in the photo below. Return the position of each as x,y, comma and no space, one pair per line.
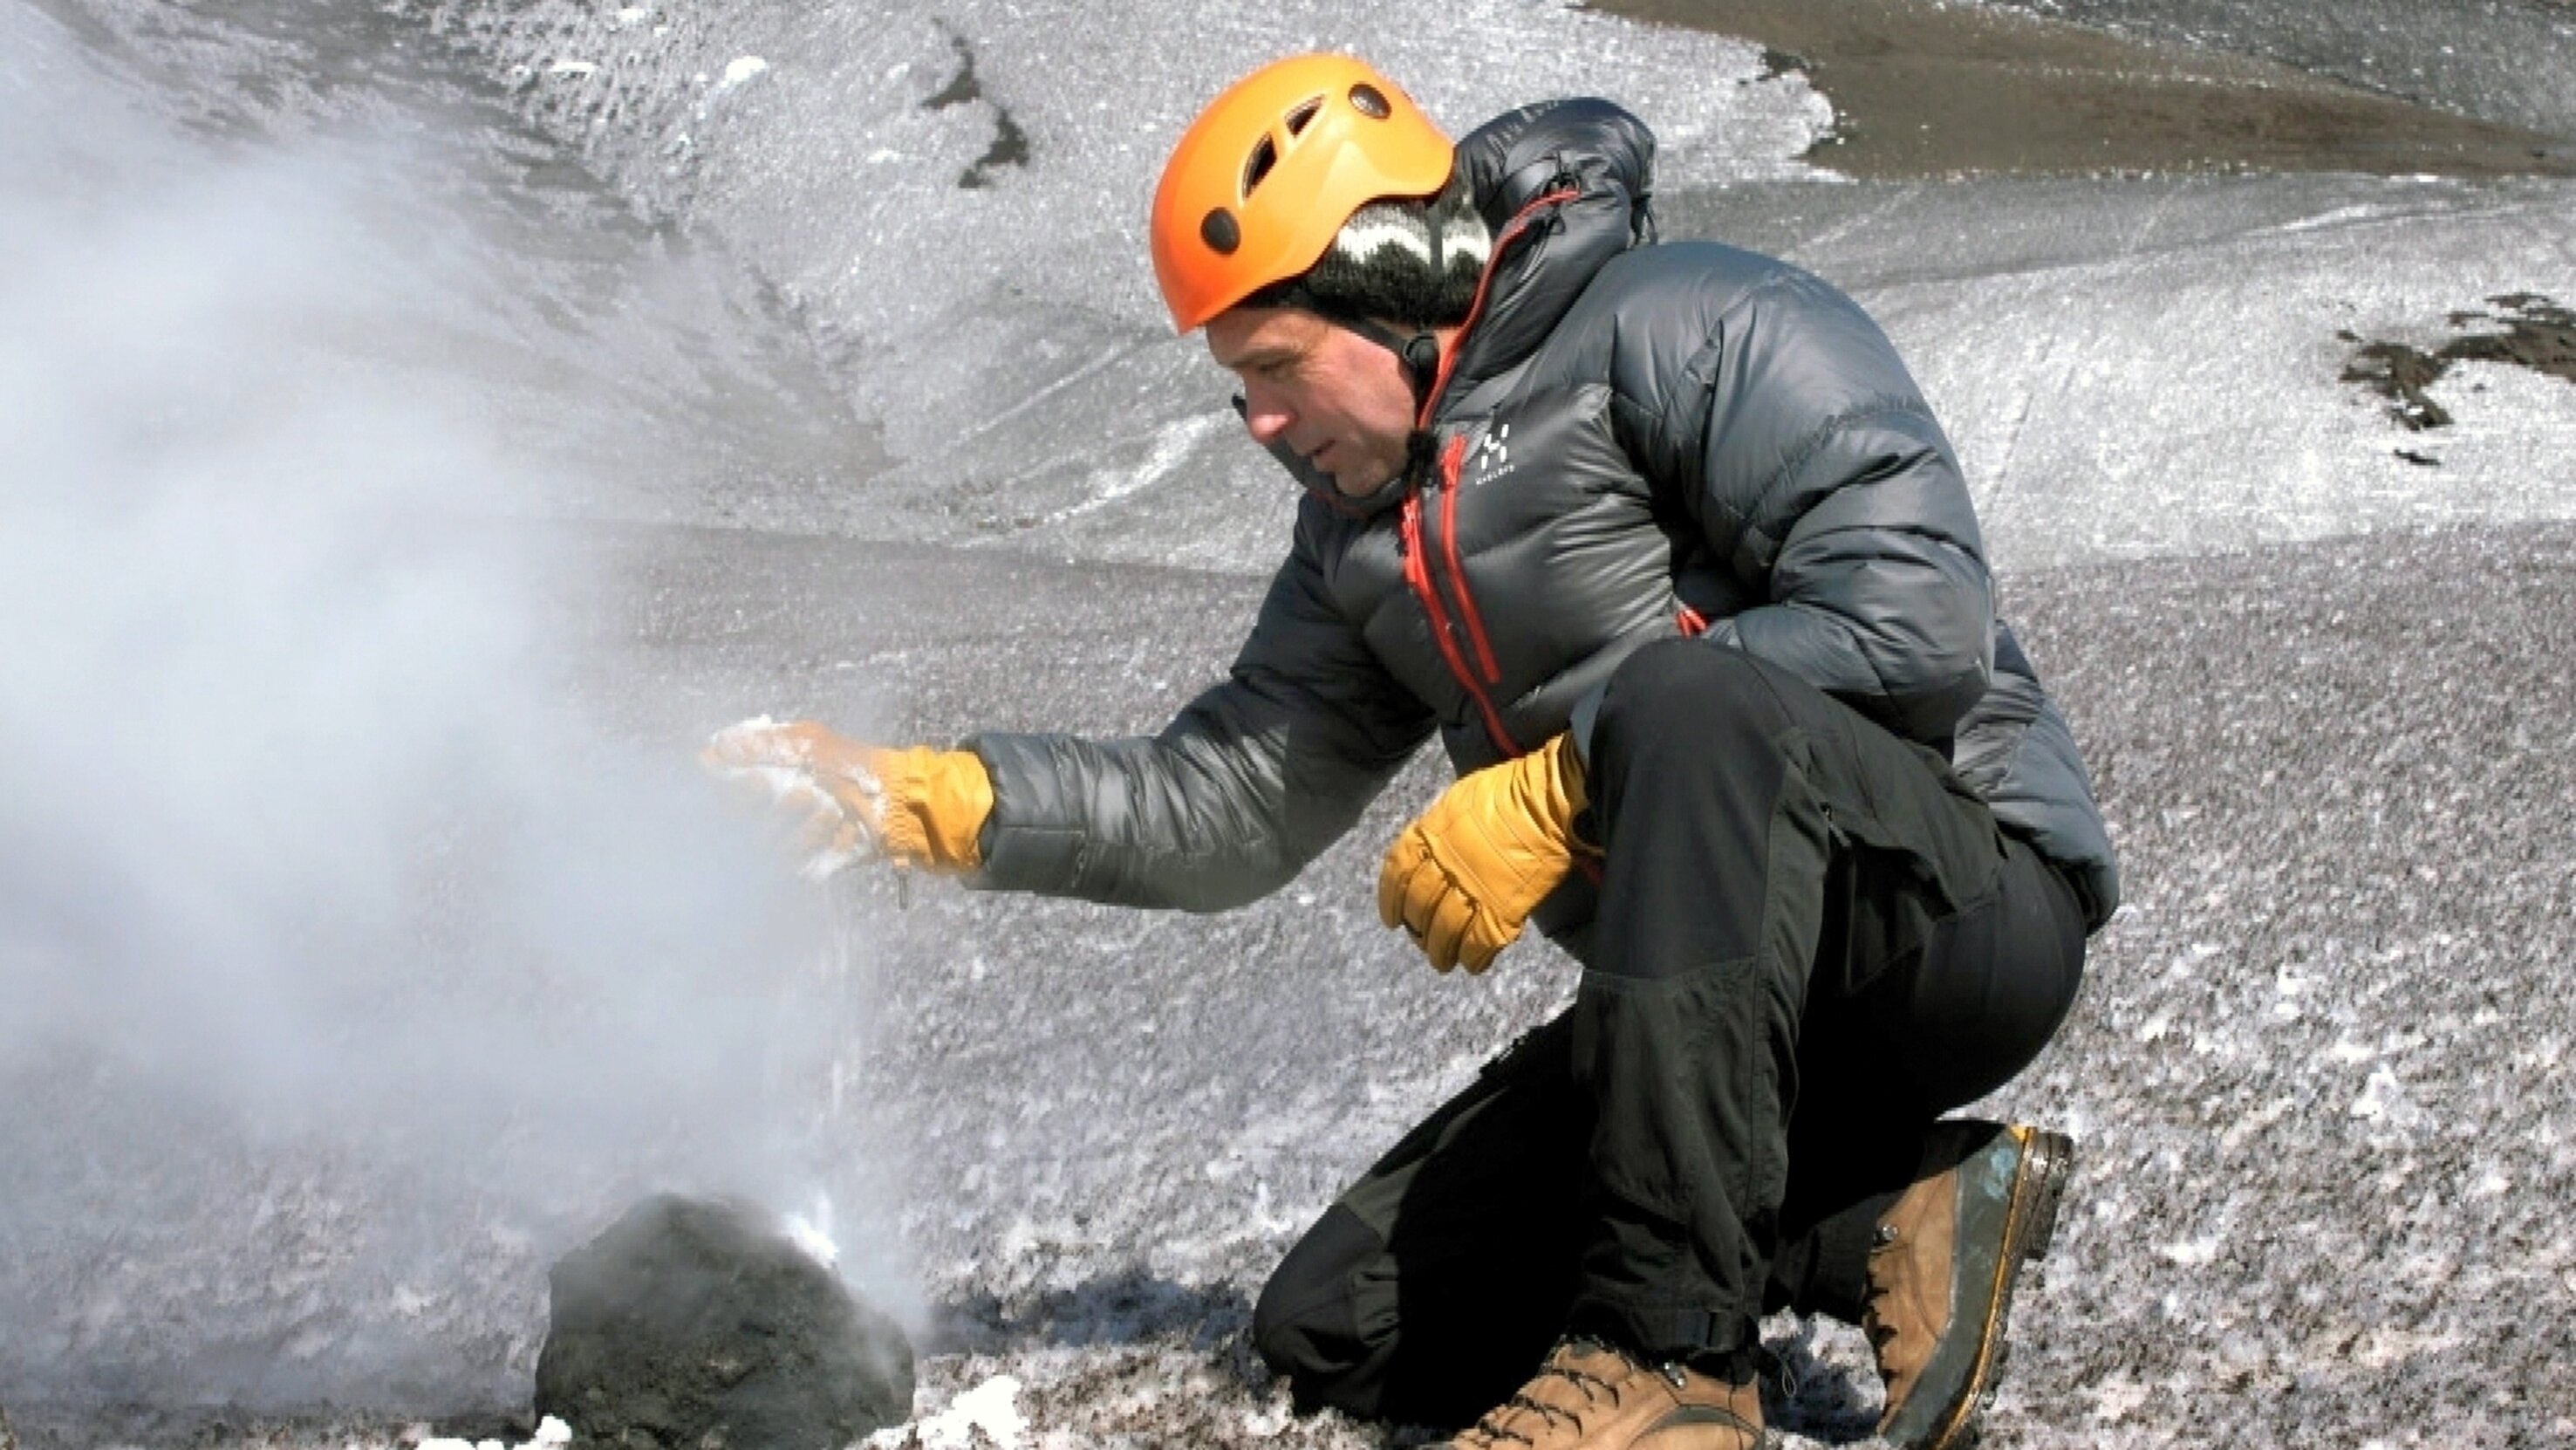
1421,358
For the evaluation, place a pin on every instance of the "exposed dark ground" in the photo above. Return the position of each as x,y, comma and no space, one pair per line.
694,1321
2491,59
2525,330
1962,89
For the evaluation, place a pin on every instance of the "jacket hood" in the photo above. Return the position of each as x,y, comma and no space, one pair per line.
1590,147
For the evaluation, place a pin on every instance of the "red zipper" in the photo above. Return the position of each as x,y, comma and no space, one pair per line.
1417,563
1417,572
1449,465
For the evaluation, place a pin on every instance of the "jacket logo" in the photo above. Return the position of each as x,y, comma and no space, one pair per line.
1493,455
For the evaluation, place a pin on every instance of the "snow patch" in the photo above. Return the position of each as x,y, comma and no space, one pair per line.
2192,1253
2380,1096
1172,444
2118,1397
990,1411
551,1433
2386,1346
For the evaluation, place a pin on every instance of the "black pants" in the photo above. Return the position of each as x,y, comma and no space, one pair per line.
1812,942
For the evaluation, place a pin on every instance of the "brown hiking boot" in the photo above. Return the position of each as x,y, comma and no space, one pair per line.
1941,1274
1590,1396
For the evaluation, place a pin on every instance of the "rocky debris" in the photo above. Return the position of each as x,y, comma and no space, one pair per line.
1010,144
8,1437
2531,331
696,1323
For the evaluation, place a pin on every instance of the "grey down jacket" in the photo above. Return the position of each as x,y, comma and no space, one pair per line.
1635,440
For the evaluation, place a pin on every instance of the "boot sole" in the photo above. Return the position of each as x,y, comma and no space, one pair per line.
2039,1185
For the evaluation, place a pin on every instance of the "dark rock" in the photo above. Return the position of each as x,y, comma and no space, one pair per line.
8,1437
2537,334
694,1324
1010,144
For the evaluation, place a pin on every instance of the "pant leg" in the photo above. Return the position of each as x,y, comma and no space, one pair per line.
1924,1035
1761,840
1436,1284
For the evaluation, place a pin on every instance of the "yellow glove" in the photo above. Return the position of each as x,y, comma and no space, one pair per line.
1464,876
916,806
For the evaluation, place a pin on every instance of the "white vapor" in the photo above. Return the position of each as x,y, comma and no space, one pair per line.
346,969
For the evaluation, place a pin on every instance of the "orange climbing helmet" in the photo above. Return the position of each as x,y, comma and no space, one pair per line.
1272,168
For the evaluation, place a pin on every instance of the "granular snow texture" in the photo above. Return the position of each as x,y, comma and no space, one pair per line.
2319,1071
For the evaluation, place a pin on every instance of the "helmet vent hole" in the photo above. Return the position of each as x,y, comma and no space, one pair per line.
1219,231
1298,118
1369,101
1257,165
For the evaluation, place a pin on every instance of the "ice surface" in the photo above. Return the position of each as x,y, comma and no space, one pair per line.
1007,334
2155,368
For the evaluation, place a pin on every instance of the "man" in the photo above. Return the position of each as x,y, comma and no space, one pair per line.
1665,545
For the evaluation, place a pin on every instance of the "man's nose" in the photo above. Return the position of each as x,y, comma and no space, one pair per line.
1263,417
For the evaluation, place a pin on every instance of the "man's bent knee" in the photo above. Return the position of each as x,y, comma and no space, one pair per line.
1308,1324
1685,689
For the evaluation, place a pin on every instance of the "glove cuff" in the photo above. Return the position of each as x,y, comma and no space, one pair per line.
936,806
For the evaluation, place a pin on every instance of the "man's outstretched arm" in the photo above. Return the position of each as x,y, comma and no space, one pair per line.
1252,780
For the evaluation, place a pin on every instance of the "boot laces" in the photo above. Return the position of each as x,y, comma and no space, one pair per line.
1492,1431
1873,1323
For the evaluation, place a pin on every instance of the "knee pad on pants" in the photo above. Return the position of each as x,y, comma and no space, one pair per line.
1306,1324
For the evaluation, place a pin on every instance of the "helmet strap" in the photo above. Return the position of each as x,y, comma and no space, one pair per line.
1418,355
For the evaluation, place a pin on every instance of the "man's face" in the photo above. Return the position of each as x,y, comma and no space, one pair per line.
1338,400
